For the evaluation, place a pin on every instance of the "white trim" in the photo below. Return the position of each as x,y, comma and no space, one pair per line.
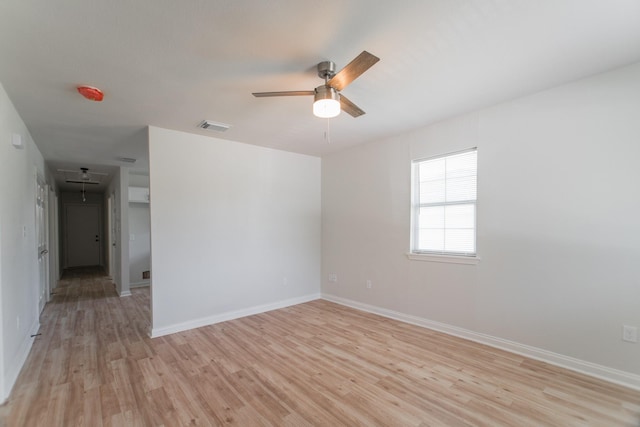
3,396
140,284
125,293
230,315
16,365
440,156
453,259
612,375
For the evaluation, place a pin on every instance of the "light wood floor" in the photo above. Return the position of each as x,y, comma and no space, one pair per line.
317,364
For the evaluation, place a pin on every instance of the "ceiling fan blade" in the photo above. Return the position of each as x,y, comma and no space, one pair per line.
74,181
349,107
79,172
284,93
353,70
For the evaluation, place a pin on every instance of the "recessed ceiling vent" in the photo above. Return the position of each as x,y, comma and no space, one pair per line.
209,125
127,159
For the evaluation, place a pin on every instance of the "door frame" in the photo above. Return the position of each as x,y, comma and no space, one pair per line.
42,239
54,245
111,242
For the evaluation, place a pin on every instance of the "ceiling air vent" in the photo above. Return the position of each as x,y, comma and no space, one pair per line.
127,159
209,125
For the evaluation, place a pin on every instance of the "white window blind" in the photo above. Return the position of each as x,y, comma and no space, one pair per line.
444,208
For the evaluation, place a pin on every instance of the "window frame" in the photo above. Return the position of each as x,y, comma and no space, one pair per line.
439,256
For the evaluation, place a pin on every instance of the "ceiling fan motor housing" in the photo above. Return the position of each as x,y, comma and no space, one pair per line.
326,92
326,70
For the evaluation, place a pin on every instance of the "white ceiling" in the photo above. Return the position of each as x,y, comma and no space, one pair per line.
174,63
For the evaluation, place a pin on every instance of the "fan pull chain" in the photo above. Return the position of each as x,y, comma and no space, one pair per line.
327,134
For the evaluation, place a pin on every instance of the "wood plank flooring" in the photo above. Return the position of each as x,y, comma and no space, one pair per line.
314,364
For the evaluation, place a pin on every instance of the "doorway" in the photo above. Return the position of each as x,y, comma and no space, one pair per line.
112,216
83,228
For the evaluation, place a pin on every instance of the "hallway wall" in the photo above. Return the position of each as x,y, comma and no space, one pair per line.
139,243
119,188
19,285
140,234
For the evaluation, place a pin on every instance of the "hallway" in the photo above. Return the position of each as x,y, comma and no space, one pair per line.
86,330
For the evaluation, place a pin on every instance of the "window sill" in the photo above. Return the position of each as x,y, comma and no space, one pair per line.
451,259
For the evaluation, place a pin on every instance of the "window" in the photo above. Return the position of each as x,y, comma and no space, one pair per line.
444,205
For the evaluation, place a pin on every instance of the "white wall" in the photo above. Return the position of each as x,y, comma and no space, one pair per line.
558,227
119,189
18,257
140,232
123,204
235,229
139,243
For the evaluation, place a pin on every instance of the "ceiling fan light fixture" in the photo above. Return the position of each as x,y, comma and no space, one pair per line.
326,102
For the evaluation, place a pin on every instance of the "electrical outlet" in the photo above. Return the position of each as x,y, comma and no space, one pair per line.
333,278
285,281
629,333
369,284
18,322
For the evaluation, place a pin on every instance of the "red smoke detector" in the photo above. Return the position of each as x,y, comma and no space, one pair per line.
92,93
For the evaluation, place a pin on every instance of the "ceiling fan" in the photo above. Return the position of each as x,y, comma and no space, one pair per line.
327,97
83,176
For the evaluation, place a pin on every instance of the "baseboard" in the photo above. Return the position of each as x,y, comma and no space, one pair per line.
15,366
616,376
125,293
140,284
230,315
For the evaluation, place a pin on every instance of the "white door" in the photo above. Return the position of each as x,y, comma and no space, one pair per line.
42,235
83,235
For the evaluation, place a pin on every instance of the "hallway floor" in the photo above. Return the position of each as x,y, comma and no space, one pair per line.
85,330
